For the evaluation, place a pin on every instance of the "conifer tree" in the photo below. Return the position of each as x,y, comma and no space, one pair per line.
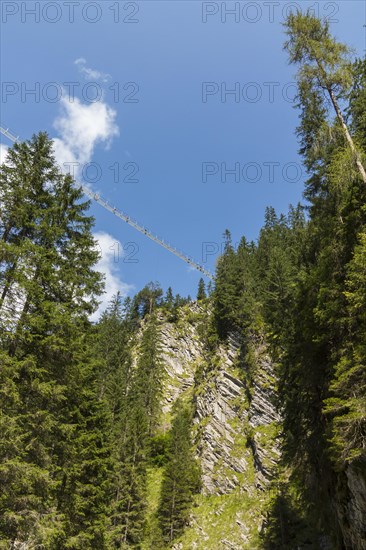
148,299
209,288
114,338
169,298
201,293
225,295
56,468
149,374
129,499
347,403
137,425
324,65
181,477
316,363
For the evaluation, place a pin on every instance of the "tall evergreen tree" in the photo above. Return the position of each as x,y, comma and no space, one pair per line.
201,292
169,298
181,477
324,65
347,403
60,427
137,425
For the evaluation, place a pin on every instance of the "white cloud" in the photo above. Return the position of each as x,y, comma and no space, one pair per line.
82,127
89,73
3,153
111,257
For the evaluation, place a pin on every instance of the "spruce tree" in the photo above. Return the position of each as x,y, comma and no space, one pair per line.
347,403
201,293
138,419
169,298
181,479
54,473
149,373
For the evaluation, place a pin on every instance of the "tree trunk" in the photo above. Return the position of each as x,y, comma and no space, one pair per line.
359,164
349,139
8,280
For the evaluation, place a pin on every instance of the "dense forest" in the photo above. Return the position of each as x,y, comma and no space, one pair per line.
80,407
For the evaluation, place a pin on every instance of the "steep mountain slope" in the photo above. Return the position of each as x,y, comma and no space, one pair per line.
246,500
235,429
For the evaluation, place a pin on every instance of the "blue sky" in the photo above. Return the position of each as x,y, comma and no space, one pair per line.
171,122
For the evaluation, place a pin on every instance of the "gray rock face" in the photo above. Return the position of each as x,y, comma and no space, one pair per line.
219,435
352,509
181,352
264,417
228,413
234,443
233,424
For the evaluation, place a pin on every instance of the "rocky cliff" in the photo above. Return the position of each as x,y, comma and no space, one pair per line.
235,429
350,505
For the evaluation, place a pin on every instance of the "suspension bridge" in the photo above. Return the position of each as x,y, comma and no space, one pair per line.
126,218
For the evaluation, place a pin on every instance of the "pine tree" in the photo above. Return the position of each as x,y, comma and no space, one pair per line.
356,111
209,288
234,299
150,373
315,354
129,500
60,428
148,299
325,65
181,477
347,404
114,338
225,289
169,298
138,416
201,293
